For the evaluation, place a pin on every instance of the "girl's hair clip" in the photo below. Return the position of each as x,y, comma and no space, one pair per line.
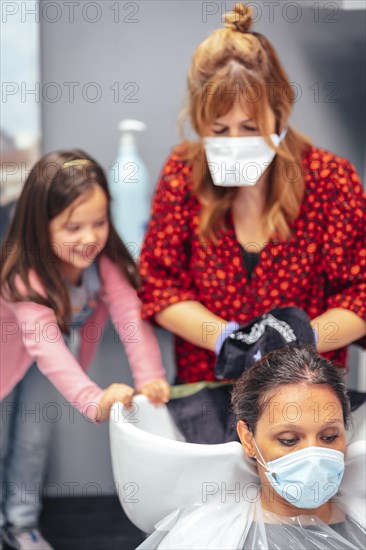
77,162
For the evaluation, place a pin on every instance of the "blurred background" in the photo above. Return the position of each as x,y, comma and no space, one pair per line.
72,70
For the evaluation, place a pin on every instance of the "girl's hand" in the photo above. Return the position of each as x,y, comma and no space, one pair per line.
115,392
157,391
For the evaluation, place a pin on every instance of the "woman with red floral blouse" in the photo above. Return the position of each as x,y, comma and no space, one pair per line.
220,249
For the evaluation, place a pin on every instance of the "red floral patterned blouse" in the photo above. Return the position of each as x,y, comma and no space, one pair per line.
320,268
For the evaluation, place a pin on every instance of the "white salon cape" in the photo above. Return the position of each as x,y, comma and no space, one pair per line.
237,521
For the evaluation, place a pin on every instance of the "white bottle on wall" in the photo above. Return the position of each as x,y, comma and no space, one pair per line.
129,188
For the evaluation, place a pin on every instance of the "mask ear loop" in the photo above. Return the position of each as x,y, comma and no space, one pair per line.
281,136
262,462
283,133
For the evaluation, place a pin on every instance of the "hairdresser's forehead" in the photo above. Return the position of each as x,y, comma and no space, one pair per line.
235,114
301,405
237,111
223,104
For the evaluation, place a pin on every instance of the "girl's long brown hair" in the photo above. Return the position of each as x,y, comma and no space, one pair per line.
236,65
48,190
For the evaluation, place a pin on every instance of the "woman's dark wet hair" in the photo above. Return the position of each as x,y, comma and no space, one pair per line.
291,365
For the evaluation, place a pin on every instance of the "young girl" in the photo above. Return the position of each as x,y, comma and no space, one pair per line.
63,269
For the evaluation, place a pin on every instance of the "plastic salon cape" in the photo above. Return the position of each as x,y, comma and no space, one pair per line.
233,522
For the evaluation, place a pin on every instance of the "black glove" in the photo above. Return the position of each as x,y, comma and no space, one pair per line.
280,327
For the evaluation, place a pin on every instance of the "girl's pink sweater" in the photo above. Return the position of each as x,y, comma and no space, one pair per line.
29,332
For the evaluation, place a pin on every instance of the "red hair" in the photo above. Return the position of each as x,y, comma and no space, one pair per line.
236,65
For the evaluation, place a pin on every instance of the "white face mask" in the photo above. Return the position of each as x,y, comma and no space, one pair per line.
239,161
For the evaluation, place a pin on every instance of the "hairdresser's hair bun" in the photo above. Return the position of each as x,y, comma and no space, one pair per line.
240,19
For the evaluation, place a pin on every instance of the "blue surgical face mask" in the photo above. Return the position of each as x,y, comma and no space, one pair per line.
239,161
307,478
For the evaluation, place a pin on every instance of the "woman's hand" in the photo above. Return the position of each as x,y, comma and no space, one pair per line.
115,392
157,391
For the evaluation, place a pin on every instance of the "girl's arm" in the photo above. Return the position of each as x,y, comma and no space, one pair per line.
42,338
137,336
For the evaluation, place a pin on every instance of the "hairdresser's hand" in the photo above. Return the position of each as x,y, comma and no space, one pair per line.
115,392
157,391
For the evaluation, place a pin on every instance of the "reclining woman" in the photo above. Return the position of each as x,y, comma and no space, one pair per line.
292,412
